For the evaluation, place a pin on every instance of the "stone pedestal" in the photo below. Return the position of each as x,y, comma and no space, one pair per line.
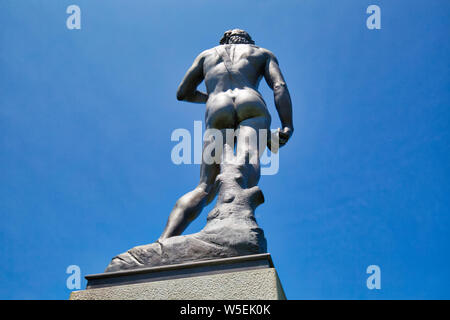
250,277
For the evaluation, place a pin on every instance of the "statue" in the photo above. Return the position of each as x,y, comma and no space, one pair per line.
232,72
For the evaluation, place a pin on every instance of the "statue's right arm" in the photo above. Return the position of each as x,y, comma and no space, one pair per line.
282,98
187,90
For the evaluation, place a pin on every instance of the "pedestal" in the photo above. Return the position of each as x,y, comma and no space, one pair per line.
250,277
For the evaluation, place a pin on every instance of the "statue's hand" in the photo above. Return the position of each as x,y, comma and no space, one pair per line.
282,136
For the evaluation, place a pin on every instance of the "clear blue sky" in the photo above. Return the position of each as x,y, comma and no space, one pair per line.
86,117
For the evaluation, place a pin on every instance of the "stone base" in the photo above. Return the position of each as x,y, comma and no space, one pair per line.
241,278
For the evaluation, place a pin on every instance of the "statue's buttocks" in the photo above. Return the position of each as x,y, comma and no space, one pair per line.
228,109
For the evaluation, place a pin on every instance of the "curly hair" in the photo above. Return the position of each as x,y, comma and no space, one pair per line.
236,36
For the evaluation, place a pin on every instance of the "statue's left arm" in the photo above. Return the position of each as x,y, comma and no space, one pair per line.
187,90
282,98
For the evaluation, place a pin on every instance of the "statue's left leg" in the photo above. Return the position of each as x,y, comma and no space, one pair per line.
190,205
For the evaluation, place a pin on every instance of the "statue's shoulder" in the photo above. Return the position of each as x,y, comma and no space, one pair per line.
255,47
207,52
267,52
204,54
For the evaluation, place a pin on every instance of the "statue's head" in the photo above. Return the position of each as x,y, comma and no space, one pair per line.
236,36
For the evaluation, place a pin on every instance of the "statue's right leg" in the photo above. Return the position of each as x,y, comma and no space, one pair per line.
189,206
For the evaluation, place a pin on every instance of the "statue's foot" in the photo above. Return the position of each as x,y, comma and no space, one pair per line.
137,257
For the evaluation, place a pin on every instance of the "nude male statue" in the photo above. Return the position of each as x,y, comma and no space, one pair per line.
232,72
